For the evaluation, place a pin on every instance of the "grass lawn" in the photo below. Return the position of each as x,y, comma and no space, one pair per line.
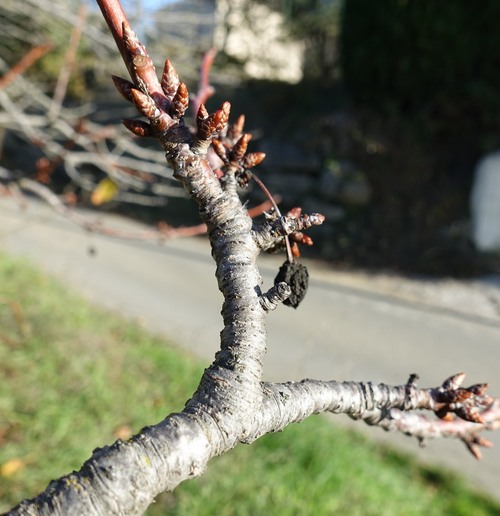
74,378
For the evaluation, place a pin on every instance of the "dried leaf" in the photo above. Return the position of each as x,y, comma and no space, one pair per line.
11,467
104,192
296,276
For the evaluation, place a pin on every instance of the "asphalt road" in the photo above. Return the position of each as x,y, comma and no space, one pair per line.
338,332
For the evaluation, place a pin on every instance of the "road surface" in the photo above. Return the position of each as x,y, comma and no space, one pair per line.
339,332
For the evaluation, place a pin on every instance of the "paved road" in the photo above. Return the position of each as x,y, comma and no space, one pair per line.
338,332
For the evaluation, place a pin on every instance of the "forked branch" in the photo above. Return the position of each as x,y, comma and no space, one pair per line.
232,404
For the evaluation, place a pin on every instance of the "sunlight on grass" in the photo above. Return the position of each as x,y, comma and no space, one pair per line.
75,378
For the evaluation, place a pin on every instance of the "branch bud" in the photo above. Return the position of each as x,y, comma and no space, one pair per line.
235,130
253,159
214,123
124,87
454,382
201,115
180,102
138,127
169,80
131,41
240,147
145,104
220,150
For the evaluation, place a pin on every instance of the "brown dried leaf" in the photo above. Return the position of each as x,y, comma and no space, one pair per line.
295,275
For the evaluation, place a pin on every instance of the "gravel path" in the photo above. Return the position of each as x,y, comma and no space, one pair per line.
478,297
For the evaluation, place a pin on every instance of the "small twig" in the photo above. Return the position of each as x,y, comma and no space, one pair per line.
205,90
24,63
163,232
263,187
69,62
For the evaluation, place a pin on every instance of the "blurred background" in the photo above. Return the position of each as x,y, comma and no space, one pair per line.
384,116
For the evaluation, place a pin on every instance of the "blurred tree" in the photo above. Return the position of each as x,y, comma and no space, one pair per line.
414,55
317,24
26,24
423,78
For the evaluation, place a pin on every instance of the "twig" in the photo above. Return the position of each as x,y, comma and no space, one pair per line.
205,89
69,62
263,187
24,63
164,231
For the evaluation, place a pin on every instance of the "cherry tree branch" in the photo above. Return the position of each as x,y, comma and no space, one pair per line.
232,404
124,478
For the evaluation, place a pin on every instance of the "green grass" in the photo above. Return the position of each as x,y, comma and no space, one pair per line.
74,377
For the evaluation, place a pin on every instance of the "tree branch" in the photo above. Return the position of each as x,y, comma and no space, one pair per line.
125,477
232,405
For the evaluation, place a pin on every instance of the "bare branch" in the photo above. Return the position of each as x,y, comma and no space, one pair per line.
232,404
69,61
269,234
26,61
125,477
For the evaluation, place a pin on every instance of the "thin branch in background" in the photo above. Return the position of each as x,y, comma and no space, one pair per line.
69,63
95,226
205,89
24,63
232,404
263,187
163,232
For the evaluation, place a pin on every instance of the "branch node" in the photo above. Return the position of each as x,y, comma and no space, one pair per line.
275,295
